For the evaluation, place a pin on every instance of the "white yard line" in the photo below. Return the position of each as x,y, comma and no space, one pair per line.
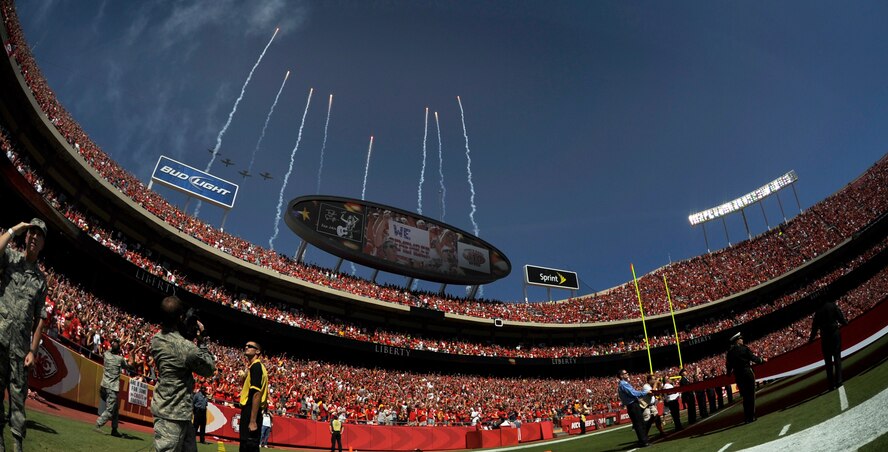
859,426
843,398
723,449
785,429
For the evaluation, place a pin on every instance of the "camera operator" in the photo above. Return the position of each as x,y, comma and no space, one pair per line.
176,359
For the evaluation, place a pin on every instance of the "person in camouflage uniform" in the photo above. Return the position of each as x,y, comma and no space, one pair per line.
176,358
114,364
22,296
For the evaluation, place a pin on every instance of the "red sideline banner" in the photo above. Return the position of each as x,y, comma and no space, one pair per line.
859,333
571,424
65,373
224,421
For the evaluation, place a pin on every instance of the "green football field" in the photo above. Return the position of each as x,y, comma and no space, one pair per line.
798,407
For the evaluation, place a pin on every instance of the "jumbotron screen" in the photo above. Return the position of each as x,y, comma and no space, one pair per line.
394,240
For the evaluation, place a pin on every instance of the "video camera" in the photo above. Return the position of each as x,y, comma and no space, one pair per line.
189,323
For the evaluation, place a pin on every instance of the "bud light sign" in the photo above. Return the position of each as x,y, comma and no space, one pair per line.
182,177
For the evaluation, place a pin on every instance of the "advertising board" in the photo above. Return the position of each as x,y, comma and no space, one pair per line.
551,277
192,181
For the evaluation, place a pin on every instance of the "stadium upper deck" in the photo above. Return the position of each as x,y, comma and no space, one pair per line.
697,282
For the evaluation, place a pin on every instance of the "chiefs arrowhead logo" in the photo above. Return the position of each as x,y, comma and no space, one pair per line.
47,370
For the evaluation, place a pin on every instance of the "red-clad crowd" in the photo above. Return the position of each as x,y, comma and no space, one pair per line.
314,389
692,282
293,316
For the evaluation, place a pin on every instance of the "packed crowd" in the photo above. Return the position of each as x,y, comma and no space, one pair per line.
294,316
314,389
696,281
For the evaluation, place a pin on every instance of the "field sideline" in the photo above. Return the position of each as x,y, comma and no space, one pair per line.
794,414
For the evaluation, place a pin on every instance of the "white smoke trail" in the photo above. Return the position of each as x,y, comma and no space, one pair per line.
443,189
367,169
324,146
364,188
236,102
425,136
232,112
280,206
469,171
264,127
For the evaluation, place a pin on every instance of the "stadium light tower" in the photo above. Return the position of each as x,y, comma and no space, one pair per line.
740,204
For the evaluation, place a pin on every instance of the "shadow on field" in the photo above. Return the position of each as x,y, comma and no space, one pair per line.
34,425
623,447
785,394
130,437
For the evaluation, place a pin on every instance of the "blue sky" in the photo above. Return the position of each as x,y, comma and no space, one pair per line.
594,128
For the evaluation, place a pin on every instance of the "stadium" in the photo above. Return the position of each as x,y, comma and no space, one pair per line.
426,370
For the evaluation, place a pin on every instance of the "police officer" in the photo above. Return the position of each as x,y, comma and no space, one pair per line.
200,414
114,364
336,426
827,320
176,359
22,295
739,361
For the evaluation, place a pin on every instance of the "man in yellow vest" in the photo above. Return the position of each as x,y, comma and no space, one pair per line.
336,433
253,398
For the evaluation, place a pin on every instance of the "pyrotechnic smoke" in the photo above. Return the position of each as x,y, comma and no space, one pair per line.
324,146
425,136
443,189
267,119
239,98
277,218
469,171
232,112
367,169
364,187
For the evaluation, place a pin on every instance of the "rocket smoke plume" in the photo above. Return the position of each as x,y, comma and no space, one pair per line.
231,114
364,187
239,98
324,146
264,127
367,169
277,218
469,171
425,136
443,189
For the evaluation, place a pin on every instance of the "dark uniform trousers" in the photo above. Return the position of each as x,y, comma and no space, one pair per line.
746,384
688,399
831,346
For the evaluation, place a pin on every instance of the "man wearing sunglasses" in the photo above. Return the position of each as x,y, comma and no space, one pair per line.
253,398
